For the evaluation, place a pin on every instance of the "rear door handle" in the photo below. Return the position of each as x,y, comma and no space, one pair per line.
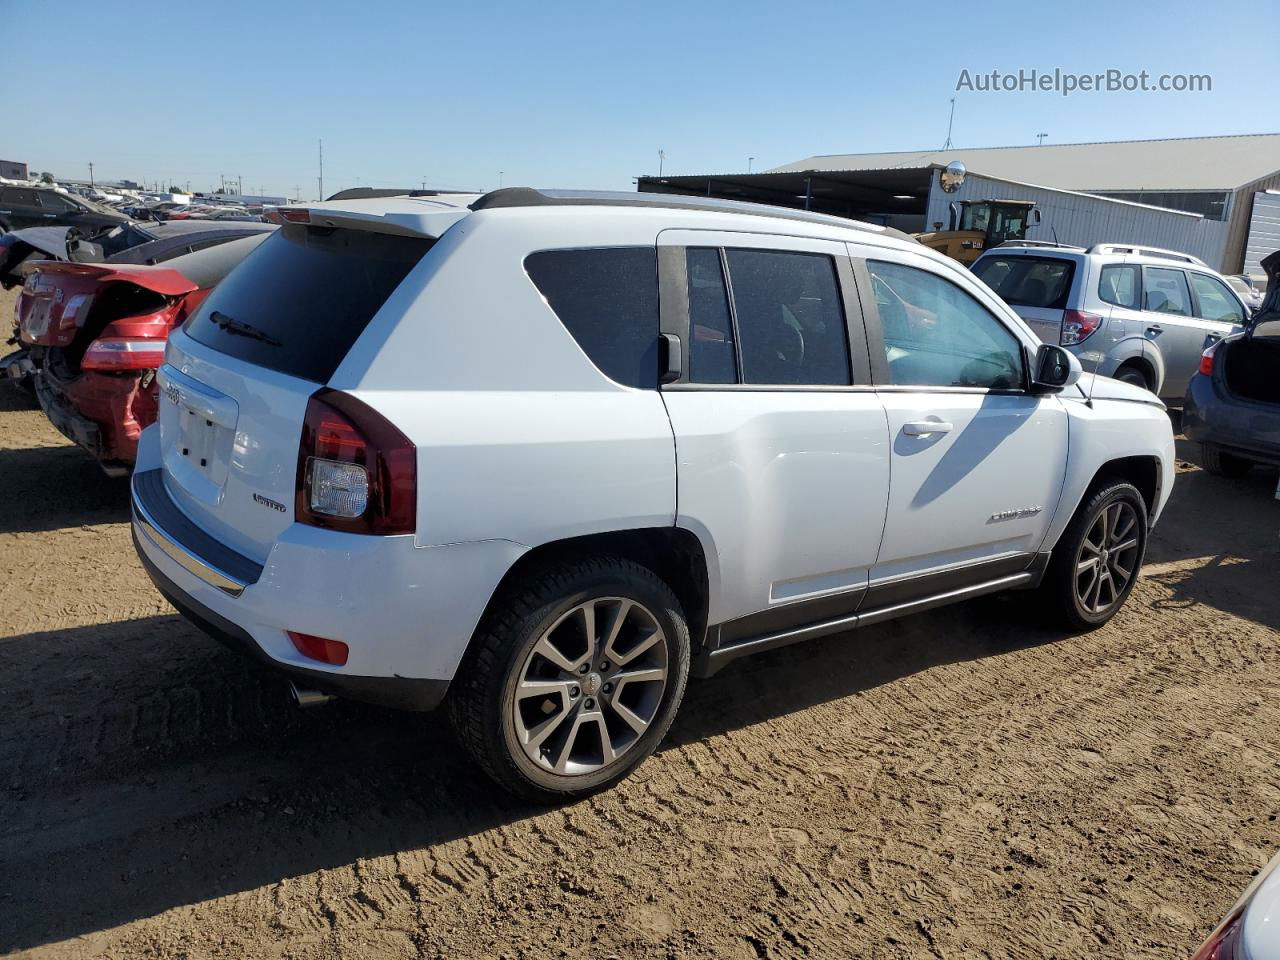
922,428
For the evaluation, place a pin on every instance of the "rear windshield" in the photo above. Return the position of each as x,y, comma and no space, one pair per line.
1028,281
300,301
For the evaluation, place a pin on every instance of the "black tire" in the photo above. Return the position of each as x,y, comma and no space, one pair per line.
1133,375
1221,464
1062,583
482,700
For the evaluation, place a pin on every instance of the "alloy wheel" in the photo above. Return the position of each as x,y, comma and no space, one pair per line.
1108,558
590,686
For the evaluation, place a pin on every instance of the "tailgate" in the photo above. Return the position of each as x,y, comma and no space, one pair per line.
238,375
229,436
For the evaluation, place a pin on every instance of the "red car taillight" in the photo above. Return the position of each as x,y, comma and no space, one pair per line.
1078,325
356,472
1206,360
123,353
320,648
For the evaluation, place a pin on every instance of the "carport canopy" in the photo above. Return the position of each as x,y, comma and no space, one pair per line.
858,194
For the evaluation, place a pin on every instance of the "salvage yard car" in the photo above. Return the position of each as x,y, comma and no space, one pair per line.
1232,407
541,455
94,334
30,206
1135,313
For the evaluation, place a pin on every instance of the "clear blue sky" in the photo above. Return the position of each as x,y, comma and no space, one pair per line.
584,95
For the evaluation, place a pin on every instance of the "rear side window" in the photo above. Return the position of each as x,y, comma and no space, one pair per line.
1165,291
303,298
607,299
711,353
1118,284
1028,281
790,321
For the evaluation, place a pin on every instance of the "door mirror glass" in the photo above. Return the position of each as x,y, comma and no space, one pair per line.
1054,369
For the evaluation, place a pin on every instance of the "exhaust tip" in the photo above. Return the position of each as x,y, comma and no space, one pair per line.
305,697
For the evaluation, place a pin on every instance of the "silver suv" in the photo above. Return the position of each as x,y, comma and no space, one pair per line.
1139,314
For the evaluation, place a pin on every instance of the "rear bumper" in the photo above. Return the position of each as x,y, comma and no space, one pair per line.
400,693
406,613
103,413
1210,415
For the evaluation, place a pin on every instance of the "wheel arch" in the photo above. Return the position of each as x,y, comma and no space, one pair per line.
1143,471
1145,356
675,554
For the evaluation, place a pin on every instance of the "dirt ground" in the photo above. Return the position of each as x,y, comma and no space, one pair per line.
955,785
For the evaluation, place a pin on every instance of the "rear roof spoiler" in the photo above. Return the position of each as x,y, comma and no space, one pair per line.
425,216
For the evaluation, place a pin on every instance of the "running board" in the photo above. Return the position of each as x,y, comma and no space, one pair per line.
710,662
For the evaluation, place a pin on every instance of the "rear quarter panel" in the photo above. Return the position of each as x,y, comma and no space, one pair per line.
519,436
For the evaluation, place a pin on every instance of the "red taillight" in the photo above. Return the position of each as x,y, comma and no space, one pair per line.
1078,325
356,472
1206,361
320,648
123,353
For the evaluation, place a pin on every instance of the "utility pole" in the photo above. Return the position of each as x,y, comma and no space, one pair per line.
297,193
239,185
501,175
90,174
424,183
321,178
948,145
223,182
1040,139
750,161
662,156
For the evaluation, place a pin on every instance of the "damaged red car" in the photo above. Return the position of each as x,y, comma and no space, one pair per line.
96,332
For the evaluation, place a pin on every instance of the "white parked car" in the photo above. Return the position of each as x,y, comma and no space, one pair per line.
1249,930
540,455
1139,314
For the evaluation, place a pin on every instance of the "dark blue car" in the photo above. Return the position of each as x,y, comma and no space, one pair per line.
1232,407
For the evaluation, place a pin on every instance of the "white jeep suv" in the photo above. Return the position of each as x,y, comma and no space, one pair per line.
541,455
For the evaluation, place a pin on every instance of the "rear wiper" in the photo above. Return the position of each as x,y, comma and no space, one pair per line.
240,328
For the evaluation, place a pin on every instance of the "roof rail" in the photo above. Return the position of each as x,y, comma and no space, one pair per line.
529,197
1039,243
1139,250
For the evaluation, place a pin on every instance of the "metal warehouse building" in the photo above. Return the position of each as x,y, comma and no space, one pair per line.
1207,196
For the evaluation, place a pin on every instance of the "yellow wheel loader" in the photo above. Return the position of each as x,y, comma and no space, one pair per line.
978,225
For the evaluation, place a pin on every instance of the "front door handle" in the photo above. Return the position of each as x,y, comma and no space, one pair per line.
1155,328
922,428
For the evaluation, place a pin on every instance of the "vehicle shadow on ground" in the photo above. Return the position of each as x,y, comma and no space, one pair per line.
1218,543
14,398
51,488
179,772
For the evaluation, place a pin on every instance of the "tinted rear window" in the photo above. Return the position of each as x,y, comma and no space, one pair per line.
607,298
300,301
1028,281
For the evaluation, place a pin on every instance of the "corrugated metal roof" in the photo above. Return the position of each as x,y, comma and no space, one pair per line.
1193,163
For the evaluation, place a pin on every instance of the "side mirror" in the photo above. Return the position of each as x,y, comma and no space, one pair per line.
1054,369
